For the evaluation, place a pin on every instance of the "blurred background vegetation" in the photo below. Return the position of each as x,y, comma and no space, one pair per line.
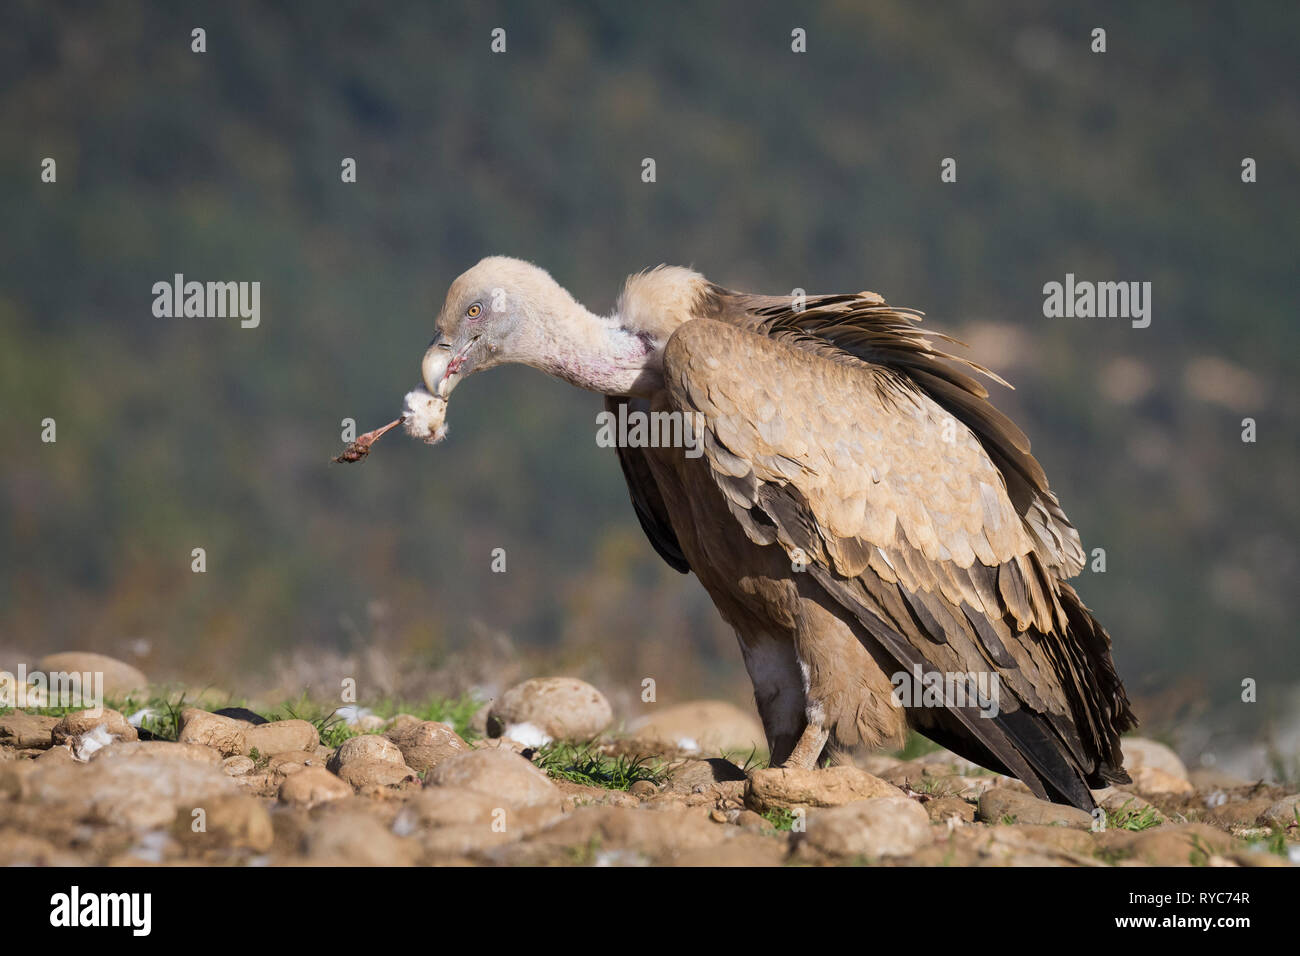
775,171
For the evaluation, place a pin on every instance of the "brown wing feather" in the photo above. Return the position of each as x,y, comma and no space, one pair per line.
863,327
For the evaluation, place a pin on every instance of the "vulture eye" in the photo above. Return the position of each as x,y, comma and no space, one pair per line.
474,311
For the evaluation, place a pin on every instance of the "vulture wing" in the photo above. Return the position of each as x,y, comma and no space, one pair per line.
646,498
863,326
898,499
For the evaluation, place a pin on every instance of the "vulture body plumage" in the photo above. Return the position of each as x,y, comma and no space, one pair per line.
860,514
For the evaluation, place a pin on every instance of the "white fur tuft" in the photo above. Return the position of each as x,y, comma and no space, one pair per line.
426,416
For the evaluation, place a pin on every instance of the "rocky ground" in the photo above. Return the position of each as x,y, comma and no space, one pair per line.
536,777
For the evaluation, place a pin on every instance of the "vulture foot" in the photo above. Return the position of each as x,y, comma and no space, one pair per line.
809,748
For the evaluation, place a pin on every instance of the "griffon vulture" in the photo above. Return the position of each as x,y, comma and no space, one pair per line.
876,532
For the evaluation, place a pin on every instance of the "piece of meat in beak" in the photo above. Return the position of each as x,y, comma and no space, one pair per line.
425,410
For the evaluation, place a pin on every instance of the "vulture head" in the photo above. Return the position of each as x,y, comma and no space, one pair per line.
506,310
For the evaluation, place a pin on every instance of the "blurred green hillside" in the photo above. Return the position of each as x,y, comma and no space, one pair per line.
774,170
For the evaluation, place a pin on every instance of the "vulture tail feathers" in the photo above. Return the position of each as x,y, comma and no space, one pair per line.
1058,773
1018,742
1116,711
1055,777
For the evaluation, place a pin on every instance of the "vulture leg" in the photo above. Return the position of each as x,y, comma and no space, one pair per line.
809,748
778,691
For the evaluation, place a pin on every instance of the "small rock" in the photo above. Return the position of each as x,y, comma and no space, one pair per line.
82,722
1000,805
271,773
1141,752
661,834
784,788
1282,813
259,783
872,828
1154,781
403,720
425,744
749,820
292,761
698,776
237,766
643,789
366,747
1179,844
236,821
26,730
354,838
120,679
312,787
549,708
374,772
280,736
942,809
699,727
223,734
497,773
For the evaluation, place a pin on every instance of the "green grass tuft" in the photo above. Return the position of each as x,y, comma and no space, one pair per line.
1136,819
582,763
780,818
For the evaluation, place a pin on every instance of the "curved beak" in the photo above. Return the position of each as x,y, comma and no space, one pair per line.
445,364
